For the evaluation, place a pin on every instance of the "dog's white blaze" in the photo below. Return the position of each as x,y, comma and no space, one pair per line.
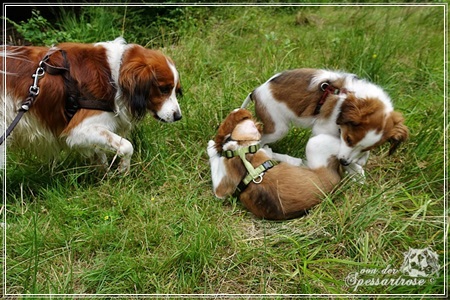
371,138
170,108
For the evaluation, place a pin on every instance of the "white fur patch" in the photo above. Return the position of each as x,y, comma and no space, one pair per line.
96,134
216,161
320,149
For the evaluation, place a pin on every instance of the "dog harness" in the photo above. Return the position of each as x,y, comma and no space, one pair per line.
253,174
74,99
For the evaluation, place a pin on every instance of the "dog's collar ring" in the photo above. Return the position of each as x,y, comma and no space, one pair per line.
258,179
324,86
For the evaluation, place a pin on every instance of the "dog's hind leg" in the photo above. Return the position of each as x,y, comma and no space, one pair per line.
275,125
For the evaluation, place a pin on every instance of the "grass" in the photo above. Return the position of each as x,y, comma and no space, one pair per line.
159,230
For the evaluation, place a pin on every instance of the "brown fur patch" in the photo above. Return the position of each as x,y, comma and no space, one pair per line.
261,112
359,116
395,131
235,173
292,88
287,191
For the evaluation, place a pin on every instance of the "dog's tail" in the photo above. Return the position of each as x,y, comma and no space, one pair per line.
247,100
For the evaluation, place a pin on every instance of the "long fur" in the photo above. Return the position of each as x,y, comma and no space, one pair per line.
129,78
286,191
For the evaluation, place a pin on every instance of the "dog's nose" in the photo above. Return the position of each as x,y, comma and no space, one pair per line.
344,162
177,116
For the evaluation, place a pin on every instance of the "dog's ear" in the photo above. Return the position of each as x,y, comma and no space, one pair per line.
137,81
260,127
230,122
350,113
395,131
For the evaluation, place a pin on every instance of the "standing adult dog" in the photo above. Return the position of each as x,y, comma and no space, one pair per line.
268,189
340,104
88,95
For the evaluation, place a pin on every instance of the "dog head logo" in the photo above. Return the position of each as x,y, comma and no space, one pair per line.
420,263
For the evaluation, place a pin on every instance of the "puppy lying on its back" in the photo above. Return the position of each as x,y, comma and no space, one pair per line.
268,189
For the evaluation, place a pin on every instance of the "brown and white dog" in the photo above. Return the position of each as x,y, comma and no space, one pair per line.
357,111
89,96
284,191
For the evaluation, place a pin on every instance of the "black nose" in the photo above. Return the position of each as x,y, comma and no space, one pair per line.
177,116
344,162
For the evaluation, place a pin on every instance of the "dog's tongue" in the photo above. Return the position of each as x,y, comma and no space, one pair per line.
246,131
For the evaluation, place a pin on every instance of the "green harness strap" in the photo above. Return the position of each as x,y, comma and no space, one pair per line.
253,174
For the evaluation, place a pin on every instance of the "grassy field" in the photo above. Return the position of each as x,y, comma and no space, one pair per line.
71,229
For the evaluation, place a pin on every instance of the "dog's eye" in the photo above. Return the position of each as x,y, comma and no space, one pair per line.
165,89
349,140
179,92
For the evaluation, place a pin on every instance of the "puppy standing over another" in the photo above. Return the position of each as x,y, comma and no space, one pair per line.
89,96
282,191
358,112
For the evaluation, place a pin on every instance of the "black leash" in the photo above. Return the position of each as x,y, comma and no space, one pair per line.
28,102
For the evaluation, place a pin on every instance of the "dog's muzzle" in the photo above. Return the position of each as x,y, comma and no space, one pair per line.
344,162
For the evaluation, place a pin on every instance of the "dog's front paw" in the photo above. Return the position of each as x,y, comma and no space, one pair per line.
363,159
211,149
356,173
124,166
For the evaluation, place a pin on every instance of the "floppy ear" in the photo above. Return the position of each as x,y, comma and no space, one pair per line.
350,113
136,81
259,126
396,131
227,126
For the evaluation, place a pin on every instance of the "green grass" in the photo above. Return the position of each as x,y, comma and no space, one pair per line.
159,230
